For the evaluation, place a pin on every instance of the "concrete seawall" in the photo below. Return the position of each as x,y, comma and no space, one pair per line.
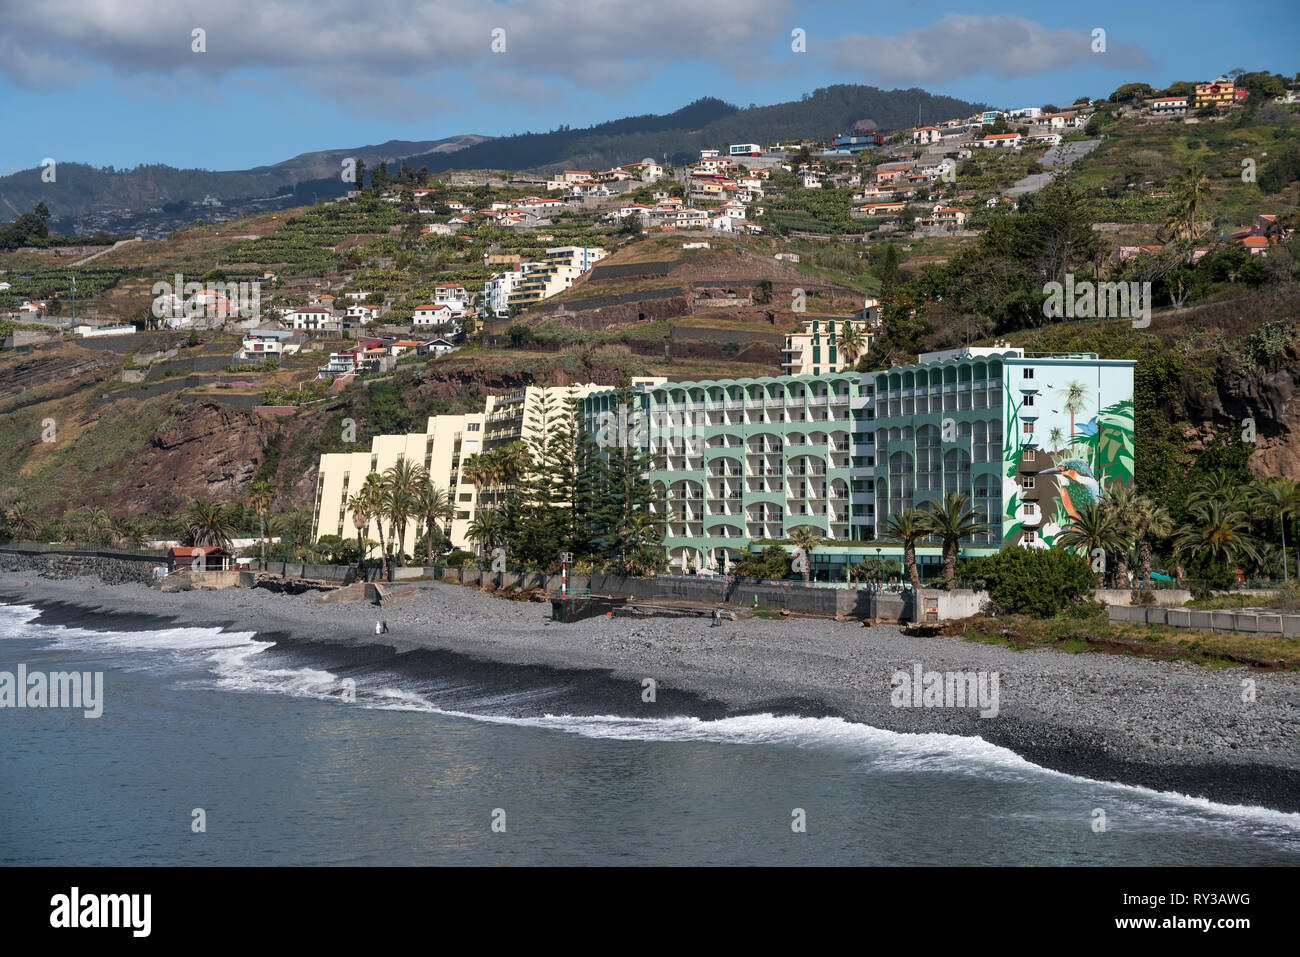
112,568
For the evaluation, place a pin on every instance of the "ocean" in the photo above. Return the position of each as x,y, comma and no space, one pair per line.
311,755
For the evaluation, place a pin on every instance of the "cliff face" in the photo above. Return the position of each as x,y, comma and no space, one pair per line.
1268,396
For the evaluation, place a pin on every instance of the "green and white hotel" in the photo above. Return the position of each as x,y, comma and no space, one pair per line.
738,460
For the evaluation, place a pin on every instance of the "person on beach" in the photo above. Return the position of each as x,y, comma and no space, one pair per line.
716,617
385,626
379,628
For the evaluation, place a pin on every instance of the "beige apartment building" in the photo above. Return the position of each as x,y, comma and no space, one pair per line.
441,448
816,350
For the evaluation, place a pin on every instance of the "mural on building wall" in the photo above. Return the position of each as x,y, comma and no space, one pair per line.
1076,453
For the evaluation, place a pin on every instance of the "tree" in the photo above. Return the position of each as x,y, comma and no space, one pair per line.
261,496
1095,528
851,341
21,521
359,505
1129,92
1150,520
432,505
1191,190
1277,500
908,527
374,493
207,524
128,534
806,538
402,481
1040,582
1218,534
950,521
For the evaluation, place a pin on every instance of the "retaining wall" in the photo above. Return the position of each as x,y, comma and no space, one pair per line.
1249,621
109,567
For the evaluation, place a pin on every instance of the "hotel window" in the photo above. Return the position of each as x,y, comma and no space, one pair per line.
473,427
1027,374
1029,400
1031,535
1026,481
1028,428
1030,509
1030,455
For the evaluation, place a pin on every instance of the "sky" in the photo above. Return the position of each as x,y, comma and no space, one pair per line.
124,82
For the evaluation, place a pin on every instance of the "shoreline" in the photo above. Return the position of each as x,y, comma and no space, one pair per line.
1166,726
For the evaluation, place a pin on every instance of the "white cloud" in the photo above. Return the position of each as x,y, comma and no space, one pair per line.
960,45
345,46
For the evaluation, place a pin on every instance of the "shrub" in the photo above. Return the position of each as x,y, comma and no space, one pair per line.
1142,596
458,558
1039,582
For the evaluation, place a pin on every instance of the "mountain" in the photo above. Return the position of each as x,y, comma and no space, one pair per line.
85,189
117,200
680,135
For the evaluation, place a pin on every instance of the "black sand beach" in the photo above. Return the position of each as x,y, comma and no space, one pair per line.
1168,726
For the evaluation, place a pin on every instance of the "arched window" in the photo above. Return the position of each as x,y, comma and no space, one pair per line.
928,465
956,471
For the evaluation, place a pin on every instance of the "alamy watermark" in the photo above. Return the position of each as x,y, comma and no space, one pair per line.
1089,299
56,689
945,689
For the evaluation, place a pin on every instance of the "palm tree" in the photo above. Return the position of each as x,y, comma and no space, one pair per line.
1073,395
951,521
512,463
908,527
1096,527
1277,500
128,534
97,523
402,482
207,523
1218,532
1222,487
806,538
261,496
1123,502
372,490
1191,189
486,529
22,521
1056,438
1150,520
851,341
432,505
359,505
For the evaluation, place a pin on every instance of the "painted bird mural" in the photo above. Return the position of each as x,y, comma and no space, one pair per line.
1076,485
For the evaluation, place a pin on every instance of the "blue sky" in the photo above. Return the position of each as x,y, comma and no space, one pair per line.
121,84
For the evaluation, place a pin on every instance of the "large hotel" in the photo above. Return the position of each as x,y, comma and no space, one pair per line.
738,461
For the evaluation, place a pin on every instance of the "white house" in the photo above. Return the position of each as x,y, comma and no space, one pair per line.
926,135
1001,141
454,297
311,318
1168,105
268,343
363,312
432,314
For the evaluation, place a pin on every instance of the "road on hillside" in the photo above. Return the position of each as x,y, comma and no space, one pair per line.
1056,158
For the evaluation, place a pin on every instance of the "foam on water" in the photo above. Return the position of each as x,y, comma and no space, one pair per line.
236,662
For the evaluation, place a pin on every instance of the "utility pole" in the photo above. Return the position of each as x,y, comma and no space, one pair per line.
74,300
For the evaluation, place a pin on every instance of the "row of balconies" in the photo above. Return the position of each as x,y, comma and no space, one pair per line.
750,402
